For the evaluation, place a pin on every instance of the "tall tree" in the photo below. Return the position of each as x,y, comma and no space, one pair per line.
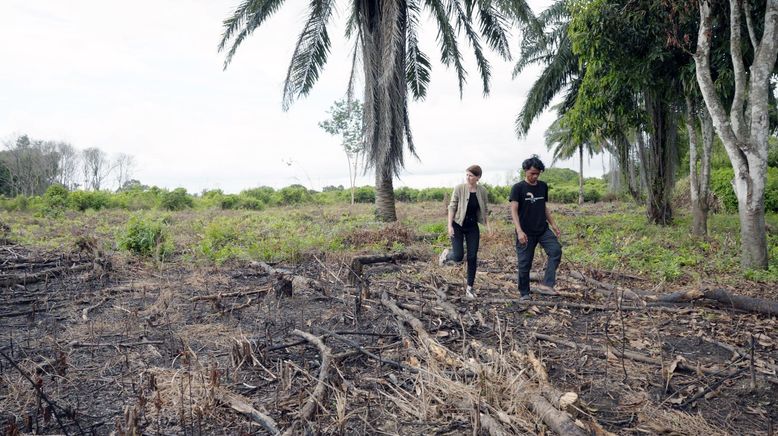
386,39
744,128
562,74
68,164
96,168
632,76
125,166
346,120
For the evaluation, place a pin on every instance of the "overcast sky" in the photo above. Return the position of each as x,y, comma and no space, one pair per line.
145,78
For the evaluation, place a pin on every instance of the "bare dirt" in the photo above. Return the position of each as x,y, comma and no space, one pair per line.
94,345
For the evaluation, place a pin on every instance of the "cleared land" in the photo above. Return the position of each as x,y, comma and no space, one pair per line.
365,333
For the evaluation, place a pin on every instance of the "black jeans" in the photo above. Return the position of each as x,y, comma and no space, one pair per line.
471,235
526,253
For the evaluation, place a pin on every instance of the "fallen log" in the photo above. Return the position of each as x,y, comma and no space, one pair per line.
557,421
318,392
43,275
608,289
216,297
241,405
553,415
749,304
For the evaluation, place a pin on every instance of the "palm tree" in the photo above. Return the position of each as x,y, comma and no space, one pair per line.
559,138
385,34
563,72
552,49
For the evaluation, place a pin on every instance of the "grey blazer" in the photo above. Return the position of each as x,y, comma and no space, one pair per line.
461,196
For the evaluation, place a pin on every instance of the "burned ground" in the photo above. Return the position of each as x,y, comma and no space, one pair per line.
93,345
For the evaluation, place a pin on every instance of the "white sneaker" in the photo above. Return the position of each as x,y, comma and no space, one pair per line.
443,257
470,293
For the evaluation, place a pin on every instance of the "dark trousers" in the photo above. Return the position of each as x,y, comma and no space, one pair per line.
471,235
526,253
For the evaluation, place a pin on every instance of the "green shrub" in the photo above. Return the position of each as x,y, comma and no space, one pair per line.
364,194
721,186
145,237
563,193
56,197
83,200
229,202
406,194
250,203
433,194
293,194
264,194
558,176
221,240
177,199
20,203
498,194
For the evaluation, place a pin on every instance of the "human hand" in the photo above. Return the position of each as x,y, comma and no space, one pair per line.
450,231
522,237
556,230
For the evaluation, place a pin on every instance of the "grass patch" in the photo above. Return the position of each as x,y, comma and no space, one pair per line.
610,236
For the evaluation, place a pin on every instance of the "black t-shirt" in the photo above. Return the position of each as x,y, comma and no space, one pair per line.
471,214
532,206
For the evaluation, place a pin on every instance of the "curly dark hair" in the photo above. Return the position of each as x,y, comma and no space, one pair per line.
533,162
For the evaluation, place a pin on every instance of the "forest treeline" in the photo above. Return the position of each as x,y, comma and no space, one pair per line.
28,166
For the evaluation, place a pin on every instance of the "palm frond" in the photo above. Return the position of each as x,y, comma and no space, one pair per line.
494,28
248,16
554,78
392,35
417,64
557,13
449,49
354,66
464,21
520,11
310,53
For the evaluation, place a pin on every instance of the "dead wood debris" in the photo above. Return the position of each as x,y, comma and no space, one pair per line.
417,360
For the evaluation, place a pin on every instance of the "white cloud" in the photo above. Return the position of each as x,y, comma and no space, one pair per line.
145,78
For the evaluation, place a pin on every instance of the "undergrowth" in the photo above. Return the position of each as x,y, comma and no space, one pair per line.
611,237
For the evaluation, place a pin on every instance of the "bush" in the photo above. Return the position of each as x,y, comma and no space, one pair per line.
558,176
83,200
498,194
250,203
145,237
20,203
177,199
221,240
264,194
433,194
406,194
293,194
229,202
364,194
721,186
56,197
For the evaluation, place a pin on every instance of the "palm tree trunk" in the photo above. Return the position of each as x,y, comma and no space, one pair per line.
384,198
580,176
385,114
658,163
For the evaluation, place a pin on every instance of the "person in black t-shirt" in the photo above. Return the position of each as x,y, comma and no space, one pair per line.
532,218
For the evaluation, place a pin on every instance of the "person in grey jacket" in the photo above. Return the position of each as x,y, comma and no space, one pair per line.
468,208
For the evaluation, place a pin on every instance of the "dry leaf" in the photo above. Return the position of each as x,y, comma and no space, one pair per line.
567,399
